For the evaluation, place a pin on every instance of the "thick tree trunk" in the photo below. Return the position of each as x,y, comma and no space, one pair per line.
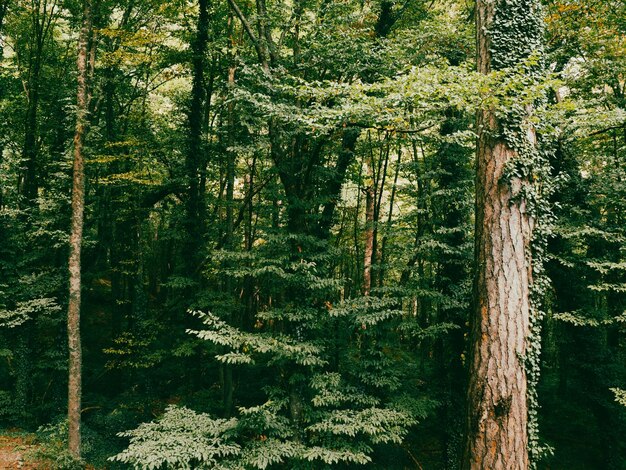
76,237
497,436
497,420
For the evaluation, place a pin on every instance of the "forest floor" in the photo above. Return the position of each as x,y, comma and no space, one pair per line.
13,451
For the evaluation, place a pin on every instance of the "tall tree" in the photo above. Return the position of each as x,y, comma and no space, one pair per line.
42,15
195,161
508,34
76,237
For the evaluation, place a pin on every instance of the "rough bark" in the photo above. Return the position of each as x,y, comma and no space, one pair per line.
497,420
76,236
497,417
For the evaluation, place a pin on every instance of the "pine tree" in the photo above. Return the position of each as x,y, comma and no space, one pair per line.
509,33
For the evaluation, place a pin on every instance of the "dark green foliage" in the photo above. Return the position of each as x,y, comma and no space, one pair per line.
584,344
226,228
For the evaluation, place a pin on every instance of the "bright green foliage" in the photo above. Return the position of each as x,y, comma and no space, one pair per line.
181,439
331,399
620,396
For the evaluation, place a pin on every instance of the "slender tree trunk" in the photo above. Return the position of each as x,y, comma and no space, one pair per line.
369,239
497,435
264,30
379,188
76,237
29,151
355,234
4,5
194,159
335,182
42,18
228,384
383,248
424,227
230,164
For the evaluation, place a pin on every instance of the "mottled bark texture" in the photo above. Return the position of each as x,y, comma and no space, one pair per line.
76,236
497,436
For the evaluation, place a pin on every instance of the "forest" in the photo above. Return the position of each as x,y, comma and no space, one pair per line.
309,234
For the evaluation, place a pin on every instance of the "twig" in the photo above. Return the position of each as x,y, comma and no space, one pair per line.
408,451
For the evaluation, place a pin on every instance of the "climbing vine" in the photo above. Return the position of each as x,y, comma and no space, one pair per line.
516,48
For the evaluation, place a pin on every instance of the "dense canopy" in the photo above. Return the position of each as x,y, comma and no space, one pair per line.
313,233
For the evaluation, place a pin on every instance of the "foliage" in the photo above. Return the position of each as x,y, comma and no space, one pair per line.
620,396
181,439
243,199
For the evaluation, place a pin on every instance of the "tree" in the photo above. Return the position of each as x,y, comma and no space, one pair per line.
76,236
584,341
269,162
195,159
508,35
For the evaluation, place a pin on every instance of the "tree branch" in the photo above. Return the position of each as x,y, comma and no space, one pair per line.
250,32
391,129
608,129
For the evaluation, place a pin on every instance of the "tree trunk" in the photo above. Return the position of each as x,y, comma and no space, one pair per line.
383,247
333,189
76,237
228,384
195,159
497,436
29,151
369,240
4,5
42,18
